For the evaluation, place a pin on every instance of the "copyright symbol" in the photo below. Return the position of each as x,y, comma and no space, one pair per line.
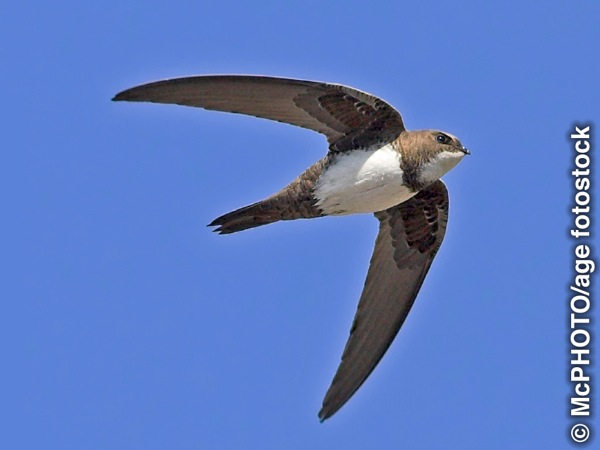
580,433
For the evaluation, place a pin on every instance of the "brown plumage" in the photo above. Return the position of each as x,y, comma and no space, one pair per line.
373,165
295,201
410,235
349,118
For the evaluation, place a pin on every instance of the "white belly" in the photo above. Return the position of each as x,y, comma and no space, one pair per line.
363,181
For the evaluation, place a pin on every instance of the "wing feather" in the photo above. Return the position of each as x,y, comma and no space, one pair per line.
410,234
349,118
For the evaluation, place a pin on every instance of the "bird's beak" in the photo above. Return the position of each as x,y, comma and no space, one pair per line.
465,151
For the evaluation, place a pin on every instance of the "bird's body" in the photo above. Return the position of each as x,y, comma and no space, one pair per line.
374,165
362,181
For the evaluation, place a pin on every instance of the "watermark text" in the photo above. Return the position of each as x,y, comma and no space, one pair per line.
580,298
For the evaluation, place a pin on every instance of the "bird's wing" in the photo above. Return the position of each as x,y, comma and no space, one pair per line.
347,117
409,236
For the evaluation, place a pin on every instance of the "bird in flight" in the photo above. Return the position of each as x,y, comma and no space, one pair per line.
373,165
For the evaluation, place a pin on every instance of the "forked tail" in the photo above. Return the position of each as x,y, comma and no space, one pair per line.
295,201
286,205
255,215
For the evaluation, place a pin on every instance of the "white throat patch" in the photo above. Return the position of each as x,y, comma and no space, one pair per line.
440,165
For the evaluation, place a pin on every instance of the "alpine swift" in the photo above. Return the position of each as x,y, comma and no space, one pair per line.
374,165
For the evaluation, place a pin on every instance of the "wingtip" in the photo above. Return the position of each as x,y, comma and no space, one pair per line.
121,96
134,94
324,415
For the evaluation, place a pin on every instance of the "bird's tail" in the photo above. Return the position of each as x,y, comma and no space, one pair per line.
276,208
295,201
255,215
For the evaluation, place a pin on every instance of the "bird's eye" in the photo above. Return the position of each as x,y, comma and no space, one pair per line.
442,138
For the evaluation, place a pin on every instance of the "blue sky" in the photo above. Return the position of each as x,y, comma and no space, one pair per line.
127,324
